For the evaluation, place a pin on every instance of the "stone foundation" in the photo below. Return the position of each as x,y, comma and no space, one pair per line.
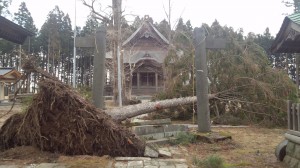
292,158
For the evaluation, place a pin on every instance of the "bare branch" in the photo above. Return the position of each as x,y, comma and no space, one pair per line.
97,15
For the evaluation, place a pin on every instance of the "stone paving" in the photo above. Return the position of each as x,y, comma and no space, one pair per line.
171,159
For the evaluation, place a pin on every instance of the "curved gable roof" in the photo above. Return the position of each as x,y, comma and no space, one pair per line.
288,37
146,26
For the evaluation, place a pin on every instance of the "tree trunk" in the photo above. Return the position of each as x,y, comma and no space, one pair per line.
117,12
125,112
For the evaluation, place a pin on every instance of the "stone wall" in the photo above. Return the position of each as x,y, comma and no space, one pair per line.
292,157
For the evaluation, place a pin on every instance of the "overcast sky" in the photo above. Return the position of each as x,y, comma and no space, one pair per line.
251,15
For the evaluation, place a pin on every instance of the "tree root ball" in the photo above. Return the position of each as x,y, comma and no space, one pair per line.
60,120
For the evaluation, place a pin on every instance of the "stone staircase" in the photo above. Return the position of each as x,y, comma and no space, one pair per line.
157,131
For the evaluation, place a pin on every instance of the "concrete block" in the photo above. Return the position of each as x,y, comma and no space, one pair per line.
169,166
153,136
174,130
161,141
293,162
164,153
280,151
152,122
173,134
296,154
287,159
147,129
50,165
172,160
135,164
10,166
181,166
153,162
290,148
121,165
132,158
162,164
150,152
149,166
176,151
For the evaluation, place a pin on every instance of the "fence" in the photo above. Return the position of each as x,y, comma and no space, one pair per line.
293,115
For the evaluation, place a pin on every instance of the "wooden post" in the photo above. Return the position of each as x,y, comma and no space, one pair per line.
138,80
156,81
294,116
298,117
203,114
289,105
297,73
99,68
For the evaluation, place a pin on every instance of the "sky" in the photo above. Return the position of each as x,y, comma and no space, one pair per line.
251,15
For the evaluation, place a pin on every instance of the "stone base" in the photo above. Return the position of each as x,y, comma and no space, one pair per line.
211,137
292,158
280,151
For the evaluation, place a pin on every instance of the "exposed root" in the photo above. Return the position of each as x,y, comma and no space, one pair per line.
60,120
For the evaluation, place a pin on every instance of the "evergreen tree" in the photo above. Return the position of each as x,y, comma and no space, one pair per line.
24,19
3,7
265,40
295,4
56,42
91,25
163,28
136,23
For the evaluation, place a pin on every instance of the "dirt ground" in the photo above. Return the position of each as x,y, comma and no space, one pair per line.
249,147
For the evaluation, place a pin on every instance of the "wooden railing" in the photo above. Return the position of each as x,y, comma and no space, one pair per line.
293,115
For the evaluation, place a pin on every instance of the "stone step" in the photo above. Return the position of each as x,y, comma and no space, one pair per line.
161,141
154,132
138,122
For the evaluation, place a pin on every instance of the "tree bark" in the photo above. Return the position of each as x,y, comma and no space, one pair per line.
125,112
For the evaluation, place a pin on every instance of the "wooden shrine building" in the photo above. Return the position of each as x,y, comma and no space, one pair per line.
16,34
288,41
144,53
13,32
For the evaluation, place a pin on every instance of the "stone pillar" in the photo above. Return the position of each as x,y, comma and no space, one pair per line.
156,81
99,68
203,113
138,80
1,91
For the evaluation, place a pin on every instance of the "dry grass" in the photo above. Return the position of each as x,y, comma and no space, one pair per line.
250,147
85,161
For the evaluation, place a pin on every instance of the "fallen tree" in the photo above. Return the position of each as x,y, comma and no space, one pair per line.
125,112
60,120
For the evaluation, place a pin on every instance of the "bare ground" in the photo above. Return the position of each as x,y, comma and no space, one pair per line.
250,147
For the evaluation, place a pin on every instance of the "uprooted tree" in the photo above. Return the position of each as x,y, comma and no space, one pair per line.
60,120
